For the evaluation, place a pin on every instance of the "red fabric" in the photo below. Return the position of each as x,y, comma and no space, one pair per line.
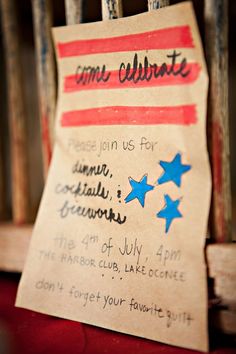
31,332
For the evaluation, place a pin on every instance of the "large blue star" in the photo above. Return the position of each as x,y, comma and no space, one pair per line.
173,170
170,211
139,190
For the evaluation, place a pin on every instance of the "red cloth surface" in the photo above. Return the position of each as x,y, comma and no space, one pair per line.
31,332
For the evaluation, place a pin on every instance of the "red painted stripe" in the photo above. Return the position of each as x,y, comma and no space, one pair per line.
128,115
70,84
168,38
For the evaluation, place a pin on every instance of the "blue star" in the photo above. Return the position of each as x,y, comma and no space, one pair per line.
170,211
173,170
139,190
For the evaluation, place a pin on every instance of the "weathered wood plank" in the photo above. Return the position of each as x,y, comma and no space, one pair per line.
111,9
2,180
223,320
216,45
45,64
14,243
73,11
157,4
16,113
221,260
222,268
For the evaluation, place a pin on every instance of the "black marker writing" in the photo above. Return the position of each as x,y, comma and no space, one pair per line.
146,71
90,213
86,74
82,190
87,170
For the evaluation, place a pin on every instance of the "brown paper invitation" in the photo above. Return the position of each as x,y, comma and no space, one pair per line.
119,238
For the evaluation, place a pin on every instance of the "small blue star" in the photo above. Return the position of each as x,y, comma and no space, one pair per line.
139,190
170,211
173,170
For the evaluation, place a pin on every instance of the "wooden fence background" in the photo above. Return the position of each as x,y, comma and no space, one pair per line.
27,105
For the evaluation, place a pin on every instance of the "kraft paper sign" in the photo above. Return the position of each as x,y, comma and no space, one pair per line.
119,237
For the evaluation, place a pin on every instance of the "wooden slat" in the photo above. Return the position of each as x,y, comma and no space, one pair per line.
45,63
224,321
111,9
216,45
157,4
2,180
3,190
16,112
221,259
14,243
222,267
73,11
